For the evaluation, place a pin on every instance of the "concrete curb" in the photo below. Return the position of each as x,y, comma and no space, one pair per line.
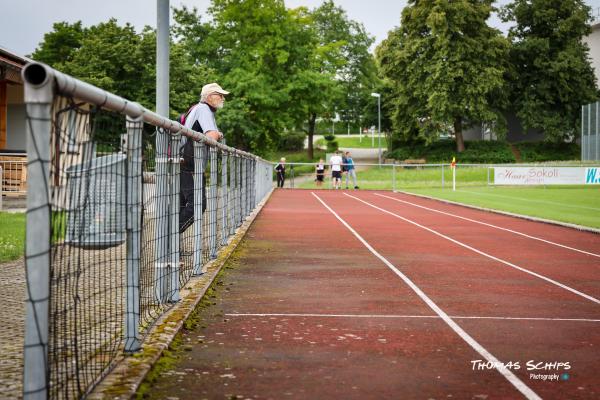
527,217
124,380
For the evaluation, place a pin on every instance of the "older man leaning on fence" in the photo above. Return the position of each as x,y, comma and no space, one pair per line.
200,118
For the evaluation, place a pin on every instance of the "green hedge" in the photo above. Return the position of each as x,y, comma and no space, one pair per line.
442,151
291,141
542,151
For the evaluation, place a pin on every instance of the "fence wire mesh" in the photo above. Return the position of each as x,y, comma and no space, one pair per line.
130,221
88,258
590,132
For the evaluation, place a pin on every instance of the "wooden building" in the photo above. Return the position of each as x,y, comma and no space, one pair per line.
13,158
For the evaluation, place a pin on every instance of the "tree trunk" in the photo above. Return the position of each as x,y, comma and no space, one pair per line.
460,142
311,132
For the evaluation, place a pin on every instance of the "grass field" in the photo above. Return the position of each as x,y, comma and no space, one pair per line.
12,236
355,142
382,178
573,204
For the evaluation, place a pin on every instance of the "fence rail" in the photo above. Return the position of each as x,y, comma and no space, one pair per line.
117,223
403,176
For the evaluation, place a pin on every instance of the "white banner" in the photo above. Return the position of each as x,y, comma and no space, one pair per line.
546,175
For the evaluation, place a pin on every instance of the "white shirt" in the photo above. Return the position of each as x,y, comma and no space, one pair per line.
336,163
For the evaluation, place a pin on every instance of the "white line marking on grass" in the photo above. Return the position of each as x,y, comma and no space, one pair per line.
309,315
466,246
512,378
528,200
491,225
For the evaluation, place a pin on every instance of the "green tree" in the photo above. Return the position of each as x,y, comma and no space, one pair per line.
60,44
345,70
117,59
552,75
446,67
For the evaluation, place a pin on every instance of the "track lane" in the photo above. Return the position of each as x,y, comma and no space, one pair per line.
574,269
480,285
297,258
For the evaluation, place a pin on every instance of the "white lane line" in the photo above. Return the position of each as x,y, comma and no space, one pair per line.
490,225
466,246
512,378
309,315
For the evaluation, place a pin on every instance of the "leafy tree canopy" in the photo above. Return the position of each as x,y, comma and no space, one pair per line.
552,76
446,66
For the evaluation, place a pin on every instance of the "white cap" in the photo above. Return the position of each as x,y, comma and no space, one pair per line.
212,88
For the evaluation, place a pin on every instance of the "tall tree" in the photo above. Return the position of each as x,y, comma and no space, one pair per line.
342,57
117,59
59,45
552,73
446,66
255,48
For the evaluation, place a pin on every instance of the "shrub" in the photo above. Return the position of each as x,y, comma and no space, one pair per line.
329,137
291,141
544,151
332,145
442,152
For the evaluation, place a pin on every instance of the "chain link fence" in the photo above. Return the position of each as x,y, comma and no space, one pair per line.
590,132
117,223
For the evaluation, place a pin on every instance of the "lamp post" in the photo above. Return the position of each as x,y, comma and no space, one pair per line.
378,123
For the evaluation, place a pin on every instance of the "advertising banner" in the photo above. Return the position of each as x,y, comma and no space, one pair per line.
546,175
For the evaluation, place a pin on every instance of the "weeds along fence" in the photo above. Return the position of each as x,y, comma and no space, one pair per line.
116,225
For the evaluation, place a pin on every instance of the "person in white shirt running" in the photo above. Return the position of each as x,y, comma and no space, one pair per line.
336,169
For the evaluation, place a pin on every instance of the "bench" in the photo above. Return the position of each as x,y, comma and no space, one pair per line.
414,161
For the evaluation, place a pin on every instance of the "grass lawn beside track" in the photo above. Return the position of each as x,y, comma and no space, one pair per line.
573,204
12,236
382,178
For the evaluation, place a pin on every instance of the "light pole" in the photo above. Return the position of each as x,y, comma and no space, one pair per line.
378,122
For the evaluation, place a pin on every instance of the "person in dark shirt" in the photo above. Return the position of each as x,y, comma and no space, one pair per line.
320,173
280,169
201,118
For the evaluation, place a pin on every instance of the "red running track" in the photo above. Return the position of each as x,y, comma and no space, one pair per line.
399,301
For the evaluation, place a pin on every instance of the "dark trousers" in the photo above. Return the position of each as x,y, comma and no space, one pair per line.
280,179
186,199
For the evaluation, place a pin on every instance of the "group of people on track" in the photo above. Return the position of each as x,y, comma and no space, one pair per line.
340,163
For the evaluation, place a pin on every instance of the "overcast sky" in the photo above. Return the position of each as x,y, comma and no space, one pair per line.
24,22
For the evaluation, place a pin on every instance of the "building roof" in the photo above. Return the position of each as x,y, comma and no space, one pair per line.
11,65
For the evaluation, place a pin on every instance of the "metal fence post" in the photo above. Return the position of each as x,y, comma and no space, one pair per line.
38,99
582,133
596,134
394,176
243,190
134,229
161,227
199,189
589,130
174,206
232,193
212,204
224,198
442,176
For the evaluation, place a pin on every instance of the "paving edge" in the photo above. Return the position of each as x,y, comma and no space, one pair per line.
124,380
527,217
